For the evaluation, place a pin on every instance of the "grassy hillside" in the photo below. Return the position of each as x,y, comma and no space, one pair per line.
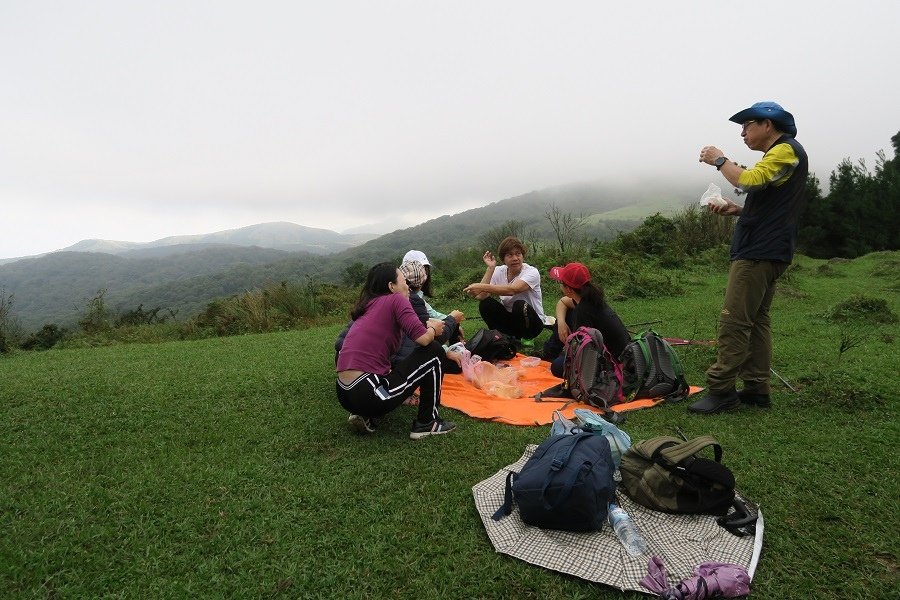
224,467
636,212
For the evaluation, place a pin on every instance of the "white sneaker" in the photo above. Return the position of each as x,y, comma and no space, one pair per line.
361,424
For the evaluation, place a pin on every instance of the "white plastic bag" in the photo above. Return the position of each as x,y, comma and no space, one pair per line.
496,381
713,195
563,426
467,361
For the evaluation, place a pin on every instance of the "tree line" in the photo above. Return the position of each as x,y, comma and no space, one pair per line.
861,212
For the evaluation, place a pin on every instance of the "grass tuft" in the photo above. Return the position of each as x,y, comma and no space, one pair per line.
862,308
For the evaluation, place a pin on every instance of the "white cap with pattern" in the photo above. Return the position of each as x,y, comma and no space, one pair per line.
416,255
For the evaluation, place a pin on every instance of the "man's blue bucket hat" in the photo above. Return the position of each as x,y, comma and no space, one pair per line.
768,110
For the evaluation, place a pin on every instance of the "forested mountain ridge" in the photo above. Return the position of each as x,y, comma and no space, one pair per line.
606,211
56,287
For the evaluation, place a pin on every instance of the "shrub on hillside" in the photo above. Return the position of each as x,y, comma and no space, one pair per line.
96,317
698,229
654,237
274,308
336,300
9,327
887,266
611,269
452,290
139,316
859,307
649,283
48,336
840,390
490,239
675,241
826,270
718,258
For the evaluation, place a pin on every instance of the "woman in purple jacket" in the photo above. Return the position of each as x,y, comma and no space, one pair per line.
366,385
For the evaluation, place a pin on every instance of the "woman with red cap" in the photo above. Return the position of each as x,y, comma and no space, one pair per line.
582,305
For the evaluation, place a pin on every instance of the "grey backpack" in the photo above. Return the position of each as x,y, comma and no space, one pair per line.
651,369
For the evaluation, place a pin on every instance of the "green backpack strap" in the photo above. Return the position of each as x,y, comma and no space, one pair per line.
678,452
649,449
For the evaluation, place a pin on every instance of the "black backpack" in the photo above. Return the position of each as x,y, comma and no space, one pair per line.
566,484
651,369
491,344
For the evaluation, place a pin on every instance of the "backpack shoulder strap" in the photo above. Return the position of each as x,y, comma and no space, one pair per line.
557,391
560,460
662,355
506,508
682,450
651,448
641,342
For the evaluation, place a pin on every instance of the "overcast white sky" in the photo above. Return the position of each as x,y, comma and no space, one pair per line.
139,120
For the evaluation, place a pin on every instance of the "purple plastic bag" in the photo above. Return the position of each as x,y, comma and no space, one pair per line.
710,580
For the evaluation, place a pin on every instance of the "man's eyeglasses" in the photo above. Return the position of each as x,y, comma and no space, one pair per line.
744,126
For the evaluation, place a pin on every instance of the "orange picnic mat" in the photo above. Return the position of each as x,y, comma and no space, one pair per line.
463,396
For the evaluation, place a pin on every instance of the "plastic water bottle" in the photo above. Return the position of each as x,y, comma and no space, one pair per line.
627,531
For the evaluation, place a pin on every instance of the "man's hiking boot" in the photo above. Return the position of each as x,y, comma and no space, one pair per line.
715,402
361,424
755,399
436,427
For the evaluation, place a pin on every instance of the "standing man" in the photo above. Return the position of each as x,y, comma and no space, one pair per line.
762,247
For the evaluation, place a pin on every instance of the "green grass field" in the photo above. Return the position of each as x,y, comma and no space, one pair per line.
225,467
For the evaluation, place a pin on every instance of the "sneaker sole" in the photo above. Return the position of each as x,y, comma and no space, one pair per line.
418,435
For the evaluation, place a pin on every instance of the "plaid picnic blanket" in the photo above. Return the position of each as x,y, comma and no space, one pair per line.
682,541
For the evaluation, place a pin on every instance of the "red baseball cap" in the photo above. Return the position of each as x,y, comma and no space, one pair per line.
574,275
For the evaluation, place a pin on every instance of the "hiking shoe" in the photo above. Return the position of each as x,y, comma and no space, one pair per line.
361,424
715,402
755,399
436,427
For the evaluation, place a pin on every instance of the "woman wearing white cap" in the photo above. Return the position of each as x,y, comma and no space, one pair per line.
425,291
583,304
367,385
415,275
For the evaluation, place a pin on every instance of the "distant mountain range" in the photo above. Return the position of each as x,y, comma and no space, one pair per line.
289,237
185,273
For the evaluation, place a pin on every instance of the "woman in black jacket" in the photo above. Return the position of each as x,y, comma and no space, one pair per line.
583,304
